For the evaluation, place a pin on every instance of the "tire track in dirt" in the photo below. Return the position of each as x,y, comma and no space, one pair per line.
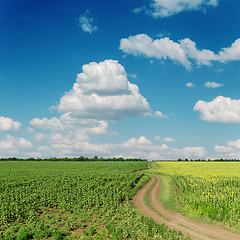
176,220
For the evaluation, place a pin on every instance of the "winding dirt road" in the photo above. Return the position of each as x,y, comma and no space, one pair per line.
176,220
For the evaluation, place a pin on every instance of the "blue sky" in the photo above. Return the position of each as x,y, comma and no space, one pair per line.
150,79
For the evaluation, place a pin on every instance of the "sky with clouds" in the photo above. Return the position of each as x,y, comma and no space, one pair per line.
151,79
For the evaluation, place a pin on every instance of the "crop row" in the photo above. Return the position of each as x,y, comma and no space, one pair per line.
42,200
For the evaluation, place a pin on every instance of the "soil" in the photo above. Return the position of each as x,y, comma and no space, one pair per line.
176,220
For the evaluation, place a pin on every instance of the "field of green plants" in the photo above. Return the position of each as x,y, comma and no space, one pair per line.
74,200
210,189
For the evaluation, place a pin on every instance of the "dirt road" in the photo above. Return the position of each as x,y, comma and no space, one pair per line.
175,220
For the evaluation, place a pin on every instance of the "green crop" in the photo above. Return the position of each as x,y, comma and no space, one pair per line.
73,200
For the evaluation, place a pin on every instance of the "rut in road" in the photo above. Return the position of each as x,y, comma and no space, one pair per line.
176,220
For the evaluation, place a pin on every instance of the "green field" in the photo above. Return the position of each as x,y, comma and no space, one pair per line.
209,189
74,200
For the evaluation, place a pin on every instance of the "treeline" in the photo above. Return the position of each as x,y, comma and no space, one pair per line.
80,159
209,160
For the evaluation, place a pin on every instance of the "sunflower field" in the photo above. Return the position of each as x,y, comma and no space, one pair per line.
210,189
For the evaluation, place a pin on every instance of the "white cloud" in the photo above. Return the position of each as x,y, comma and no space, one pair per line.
227,155
192,152
7,124
231,53
40,136
30,129
162,48
157,138
134,142
86,22
189,84
10,146
90,126
221,109
46,123
166,8
231,151
201,57
160,114
33,155
135,147
213,85
65,123
222,149
102,128
19,142
183,52
235,144
6,145
73,131
169,139
102,91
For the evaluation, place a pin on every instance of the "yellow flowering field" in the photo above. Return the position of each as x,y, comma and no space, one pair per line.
211,189
201,169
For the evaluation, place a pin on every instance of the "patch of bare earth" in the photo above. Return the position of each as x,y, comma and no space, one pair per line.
77,232
176,220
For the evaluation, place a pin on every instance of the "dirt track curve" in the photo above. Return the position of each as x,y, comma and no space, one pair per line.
176,220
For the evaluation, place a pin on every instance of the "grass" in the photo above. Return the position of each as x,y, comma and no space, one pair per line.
146,197
168,197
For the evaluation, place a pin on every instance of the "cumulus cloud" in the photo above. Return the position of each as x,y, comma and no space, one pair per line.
231,151
183,52
40,136
213,85
201,57
11,145
6,145
86,22
163,8
134,147
91,126
30,129
160,114
189,84
67,124
235,144
169,139
102,94
221,109
19,142
68,131
7,124
191,152
102,91
222,149
134,142
231,53
166,139
162,48
46,123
